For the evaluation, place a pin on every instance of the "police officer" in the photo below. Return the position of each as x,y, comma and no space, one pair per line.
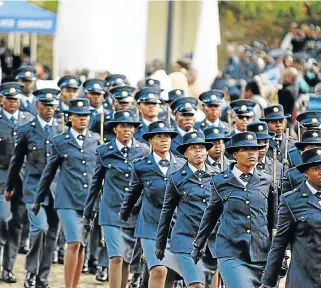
211,102
74,153
276,120
34,144
188,191
26,75
115,164
262,135
184,109
293,177
298,225
148,103
172,96
12,213
149,182
113,80
240,199
242,114
216,135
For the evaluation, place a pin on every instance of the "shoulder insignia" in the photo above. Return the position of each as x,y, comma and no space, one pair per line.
184,172
304,195
67,136
23,116
33,124
225,176
110,147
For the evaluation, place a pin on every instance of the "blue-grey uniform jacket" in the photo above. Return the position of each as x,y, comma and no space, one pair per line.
76,170
140,131
33,144
201,126
190,196
292,179
95,121
33,107
245,214
8,138
299,225
116,170
150,182
281,149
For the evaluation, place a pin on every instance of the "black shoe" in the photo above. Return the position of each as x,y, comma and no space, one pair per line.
85,267
55,257
135,281
102,274
61,257
8,276
92,270
30,281
23,250
39,285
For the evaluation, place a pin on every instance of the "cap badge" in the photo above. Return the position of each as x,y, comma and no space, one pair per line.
96,86
319,152
12,90
49,96
178,92
314,120
28,73
214,97
194,135
80,104
151,82
72,81
249,137
119,81
188,105
124,93
243,108
161,125
126,114
151,96
276,109
216,131
261,128
315,135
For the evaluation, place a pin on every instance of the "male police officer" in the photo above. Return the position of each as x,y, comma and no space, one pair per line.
26,75
243,193
299,225
148,103
184,109
113,80
172,96
34,143
12,213
275,118
211,102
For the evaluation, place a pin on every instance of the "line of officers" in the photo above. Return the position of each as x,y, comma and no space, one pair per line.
196,198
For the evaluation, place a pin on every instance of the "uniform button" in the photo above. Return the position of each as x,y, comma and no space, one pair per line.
202,186
248,231
165,179
245,189
48,154
126,189
204,200
184,193
84,174
248,217
125,161
126,175
0,139
34,148
247,202
279,152
15,144
85,185
83,162
82,151
14,133
47,142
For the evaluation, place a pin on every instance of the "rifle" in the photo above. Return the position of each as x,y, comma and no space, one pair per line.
102,118
229,120
275,194
62,119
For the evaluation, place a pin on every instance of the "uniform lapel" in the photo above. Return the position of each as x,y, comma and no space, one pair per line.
38,128
88,139
191,176
312,200
255,178
232,179
54,128
72,141
6,120
154,166
172,165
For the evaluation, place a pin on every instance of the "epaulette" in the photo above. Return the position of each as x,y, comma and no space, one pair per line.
140,159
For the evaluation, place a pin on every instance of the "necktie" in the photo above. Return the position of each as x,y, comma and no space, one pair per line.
277,141
199,173
260,165
217,164
246,177
47,129
318,194
164,163
81,137
124,150
28,105
13,121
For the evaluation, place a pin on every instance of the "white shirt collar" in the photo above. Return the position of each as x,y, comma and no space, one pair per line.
146,122
311,188
64,106
237,172
215,123
237,131
43,123
182,132
212,160
98,110
194,169
8,115
158,158
120,145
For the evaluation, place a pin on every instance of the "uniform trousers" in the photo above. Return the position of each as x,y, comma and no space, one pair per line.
43,238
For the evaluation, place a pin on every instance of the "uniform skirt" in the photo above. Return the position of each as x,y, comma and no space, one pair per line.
169,260
72,225
120,242
237,273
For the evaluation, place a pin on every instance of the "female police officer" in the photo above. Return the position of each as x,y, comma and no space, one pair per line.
74,153
149,180
114,165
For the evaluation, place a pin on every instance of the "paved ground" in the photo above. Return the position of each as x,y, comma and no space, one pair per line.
57,277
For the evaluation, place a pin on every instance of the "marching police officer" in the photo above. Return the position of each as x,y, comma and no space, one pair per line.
240,199
299,225
113,80
184,109
275,118
149,182
262,135
74,153
172,96
148,103
27,76
34,143
12,213
211,102
188,191
293,177
217,136
115,164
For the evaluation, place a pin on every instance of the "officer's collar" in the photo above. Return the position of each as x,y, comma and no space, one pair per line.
112,146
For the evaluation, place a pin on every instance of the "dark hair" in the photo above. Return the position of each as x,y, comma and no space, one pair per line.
253,87
26,50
